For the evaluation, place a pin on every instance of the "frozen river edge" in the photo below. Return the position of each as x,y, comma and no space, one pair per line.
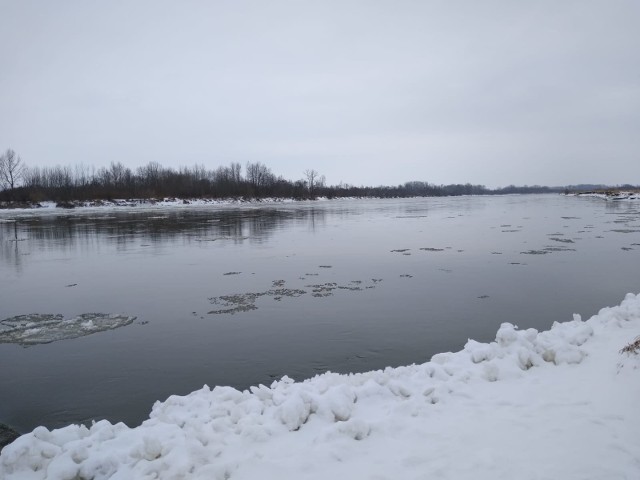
555,404
152,203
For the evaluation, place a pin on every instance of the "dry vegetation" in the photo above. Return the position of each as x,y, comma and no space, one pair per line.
633,347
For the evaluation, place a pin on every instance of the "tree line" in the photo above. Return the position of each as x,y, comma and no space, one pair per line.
19,183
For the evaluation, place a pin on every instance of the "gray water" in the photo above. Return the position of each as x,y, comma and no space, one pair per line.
242,295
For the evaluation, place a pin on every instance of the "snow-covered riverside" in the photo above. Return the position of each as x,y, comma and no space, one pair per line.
139,204
611,195
51,207
559,404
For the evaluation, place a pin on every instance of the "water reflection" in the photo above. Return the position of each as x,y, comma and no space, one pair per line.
10,244
65,233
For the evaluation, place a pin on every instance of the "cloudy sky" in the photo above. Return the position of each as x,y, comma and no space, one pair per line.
366,92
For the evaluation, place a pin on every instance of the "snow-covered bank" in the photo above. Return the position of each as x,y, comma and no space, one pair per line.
48,206
611,195
560,404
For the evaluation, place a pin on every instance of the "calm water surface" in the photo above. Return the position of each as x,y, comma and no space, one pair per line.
343,285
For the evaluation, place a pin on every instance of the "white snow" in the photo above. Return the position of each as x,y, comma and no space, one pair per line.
615,196
49,207
559,404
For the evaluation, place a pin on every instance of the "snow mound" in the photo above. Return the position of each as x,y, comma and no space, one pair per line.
555,404
38,328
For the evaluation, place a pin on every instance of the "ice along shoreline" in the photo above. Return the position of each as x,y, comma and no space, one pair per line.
553,404
61,206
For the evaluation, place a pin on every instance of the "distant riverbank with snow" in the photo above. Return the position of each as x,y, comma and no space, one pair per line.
613,195
49,206
558,404
155,202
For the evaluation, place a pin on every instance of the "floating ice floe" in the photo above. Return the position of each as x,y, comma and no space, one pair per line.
38,328
245,302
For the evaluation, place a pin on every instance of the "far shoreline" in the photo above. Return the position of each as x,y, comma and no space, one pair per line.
193,201
62,205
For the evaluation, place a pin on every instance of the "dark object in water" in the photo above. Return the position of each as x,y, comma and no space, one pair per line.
7,435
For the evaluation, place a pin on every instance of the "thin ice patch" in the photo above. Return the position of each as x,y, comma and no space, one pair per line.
37,328
563,240
245,302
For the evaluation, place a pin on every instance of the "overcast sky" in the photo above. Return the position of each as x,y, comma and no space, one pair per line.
365,92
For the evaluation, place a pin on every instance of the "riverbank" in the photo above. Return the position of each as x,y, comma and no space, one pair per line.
153,202
181,202
612,195
555,404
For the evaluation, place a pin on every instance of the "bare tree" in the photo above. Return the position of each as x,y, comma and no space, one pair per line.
81,175
236,172
151,174
259,175
33,177
119,174
312,180
11,169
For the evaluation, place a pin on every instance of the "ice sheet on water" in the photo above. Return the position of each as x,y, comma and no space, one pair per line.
36,328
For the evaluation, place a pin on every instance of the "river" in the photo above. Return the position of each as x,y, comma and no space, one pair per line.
243,294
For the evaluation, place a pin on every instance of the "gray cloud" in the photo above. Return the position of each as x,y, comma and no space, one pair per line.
375,92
